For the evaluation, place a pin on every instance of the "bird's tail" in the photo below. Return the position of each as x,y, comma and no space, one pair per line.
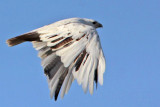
31,36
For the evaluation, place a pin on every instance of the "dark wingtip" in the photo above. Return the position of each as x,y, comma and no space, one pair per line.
56,96
61,79
96,77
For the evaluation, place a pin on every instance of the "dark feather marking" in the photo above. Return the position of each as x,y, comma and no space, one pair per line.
80,37
65,41
50,68
52,36
55,69
96,77
87,36
60,82
86,59
44,48
56,40
47,53
77,58
68,44
80,60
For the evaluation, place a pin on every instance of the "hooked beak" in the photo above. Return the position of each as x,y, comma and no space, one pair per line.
99,25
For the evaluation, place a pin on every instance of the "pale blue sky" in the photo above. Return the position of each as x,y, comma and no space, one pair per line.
130,39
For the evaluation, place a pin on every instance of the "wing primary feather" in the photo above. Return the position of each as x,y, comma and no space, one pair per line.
48,60
101,68
80,74
54,81
50,69
86,75
86,59
71,79
96,77
44,52
80,59
61,79
47,53
65,83
91,77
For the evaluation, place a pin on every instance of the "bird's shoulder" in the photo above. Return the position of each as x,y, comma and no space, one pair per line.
65,25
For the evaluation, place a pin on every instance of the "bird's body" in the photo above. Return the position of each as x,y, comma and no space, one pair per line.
70,49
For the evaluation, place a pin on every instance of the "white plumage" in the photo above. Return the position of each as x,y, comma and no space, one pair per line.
70,49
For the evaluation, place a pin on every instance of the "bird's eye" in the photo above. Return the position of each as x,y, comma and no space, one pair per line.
94,22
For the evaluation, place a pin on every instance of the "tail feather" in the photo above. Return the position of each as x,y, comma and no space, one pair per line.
32,36
14,41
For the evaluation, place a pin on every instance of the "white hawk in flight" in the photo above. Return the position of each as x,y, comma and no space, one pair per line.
70,49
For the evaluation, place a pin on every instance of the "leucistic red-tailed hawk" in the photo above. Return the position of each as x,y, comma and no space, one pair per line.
70,49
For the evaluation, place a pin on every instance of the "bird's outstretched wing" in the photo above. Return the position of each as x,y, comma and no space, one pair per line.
70,51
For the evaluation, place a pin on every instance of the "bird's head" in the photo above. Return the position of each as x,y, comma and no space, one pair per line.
91,22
